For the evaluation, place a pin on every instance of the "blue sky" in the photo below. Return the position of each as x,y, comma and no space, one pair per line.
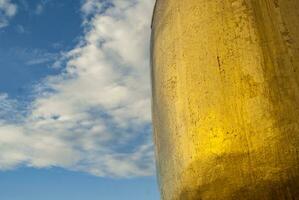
75,119
32,36
59,184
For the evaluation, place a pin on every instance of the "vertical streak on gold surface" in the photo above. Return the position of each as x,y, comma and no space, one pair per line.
225,77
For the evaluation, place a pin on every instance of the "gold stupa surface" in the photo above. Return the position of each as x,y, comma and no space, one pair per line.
225,77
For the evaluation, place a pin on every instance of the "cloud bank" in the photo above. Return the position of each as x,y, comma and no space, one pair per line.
95,116
7,11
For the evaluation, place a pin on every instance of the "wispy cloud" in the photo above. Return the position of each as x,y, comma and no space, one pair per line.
20,29
7,11
31,56
40,7
95,116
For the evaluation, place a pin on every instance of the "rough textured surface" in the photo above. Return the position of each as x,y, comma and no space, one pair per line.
226,99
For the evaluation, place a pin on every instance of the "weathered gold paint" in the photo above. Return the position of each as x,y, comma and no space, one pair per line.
226,99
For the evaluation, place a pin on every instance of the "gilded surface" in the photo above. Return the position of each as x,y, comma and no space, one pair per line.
226,99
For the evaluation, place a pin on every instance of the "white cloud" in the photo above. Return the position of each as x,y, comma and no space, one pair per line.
95,116
7,10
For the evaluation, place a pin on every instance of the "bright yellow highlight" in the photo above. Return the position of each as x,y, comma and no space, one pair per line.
226,99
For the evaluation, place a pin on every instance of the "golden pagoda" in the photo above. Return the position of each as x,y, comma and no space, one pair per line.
225,78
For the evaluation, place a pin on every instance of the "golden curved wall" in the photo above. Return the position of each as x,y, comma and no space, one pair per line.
225,77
